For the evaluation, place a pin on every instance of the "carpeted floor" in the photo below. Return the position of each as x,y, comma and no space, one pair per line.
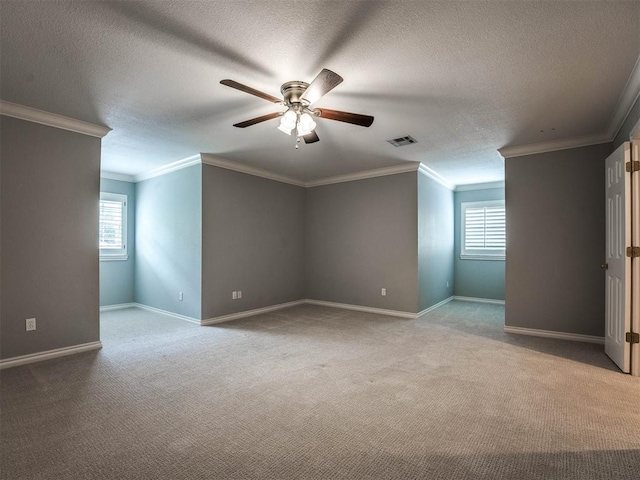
320,393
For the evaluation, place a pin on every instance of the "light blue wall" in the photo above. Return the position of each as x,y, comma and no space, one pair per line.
117,277
477,278
435,242
169,241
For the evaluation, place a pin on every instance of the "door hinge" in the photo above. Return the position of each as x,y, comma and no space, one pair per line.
632,337
633,166
633,252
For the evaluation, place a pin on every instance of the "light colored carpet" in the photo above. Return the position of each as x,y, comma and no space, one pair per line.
319,393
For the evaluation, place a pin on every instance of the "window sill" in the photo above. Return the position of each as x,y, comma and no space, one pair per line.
500,258
113,258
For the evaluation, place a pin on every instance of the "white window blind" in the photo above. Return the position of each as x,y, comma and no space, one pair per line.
484,230
112,233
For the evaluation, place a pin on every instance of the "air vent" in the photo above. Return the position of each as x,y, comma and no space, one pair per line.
402,141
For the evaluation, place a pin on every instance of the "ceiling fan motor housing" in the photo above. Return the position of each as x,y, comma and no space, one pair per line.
292,91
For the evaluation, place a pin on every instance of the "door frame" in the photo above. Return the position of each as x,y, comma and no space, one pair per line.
635,240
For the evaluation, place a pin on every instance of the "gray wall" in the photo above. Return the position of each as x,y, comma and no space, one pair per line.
362,236
252,240
117,277
555,240
435,242
629,123
477,278
169,241
50,186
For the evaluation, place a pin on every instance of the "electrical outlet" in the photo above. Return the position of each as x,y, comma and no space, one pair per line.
180,296
30,324
239,294
383,292
234,295
447,284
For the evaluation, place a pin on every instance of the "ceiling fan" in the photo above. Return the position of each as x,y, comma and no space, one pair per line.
299,97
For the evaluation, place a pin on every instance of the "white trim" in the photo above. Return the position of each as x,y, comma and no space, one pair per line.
554,145
360,308
628,97
575,337
209,159
634,135
378,172
478,300
433,175
49,354
114,258
494,258
479,186
51,119
116,176
433,307
168,168
250,313
166,312
117,306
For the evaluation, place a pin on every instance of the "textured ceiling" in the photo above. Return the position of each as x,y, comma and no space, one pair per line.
463,78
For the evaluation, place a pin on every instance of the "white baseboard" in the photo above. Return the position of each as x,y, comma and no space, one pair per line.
116,306
575,337
359,308
478,300
433,307
166,312
250,313
49,354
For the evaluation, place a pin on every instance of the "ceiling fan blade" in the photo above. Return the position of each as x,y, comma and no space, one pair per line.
253,121
249,90
321,85
355,118
311,137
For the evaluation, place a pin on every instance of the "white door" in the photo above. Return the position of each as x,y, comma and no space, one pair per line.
618,238
635,262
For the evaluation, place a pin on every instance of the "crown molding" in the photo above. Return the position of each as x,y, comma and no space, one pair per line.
116,176
34,115
433,175
168,168
634,134
209,159
555,145
628,97
479,186
378,172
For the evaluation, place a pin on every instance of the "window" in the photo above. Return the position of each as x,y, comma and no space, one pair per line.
113,226
483,230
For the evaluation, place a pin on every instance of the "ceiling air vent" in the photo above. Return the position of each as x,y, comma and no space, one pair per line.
402,141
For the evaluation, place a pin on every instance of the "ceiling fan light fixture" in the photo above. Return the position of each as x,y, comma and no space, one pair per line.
298,96
289,119
284,129
306,125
